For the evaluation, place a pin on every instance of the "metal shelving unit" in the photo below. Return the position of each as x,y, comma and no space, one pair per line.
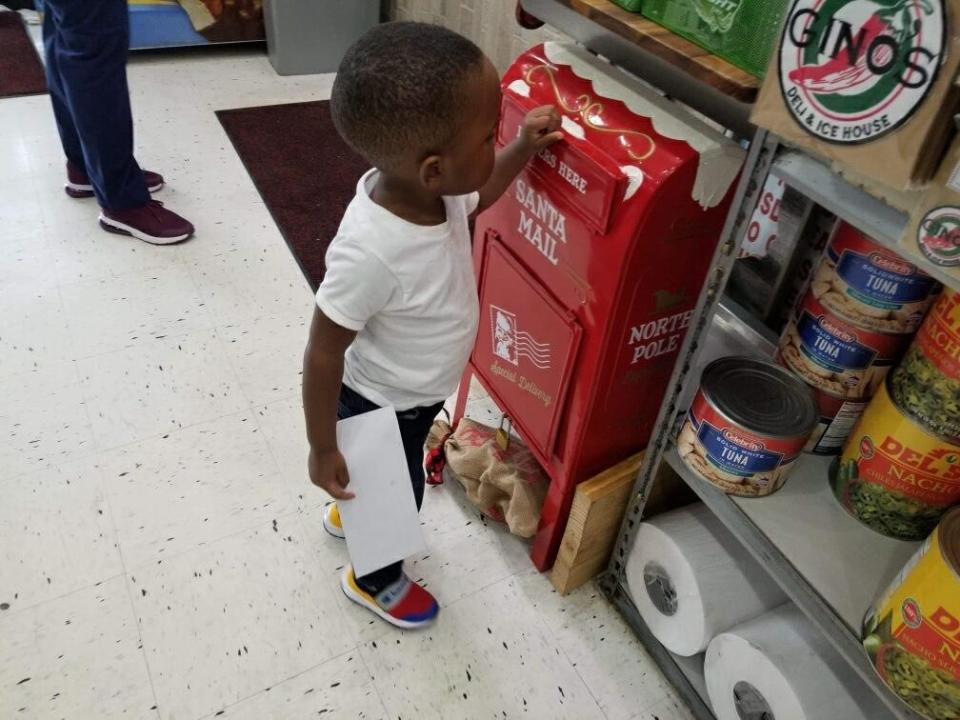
830,565
865,212
819,183
827,563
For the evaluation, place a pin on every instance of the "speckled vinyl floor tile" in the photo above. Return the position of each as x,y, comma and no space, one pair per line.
25,270
225,282
487,655
339,688
77,656
157,386
606,654
282,424
189,487
56,534
43,419
21,208
34,325
113,313
82,252
267,354
228,620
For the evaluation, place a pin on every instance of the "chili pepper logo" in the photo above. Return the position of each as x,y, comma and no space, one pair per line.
911,613
938,236
852,71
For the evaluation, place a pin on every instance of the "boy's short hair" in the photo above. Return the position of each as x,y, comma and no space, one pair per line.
400,90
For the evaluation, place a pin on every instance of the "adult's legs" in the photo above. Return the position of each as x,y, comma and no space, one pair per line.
58,96
87,42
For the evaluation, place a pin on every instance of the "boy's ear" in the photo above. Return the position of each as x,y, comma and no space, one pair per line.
431,172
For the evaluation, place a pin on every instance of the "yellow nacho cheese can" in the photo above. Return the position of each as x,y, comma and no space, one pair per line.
912,633
894,475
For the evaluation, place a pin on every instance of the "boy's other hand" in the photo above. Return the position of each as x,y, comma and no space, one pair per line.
328,470
541,127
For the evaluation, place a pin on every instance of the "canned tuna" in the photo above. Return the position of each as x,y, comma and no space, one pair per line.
836,356
870,286
747,426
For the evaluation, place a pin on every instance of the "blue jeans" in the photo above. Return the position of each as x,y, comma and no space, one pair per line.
86,44
415,425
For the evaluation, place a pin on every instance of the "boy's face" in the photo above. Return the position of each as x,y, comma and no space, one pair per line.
468,161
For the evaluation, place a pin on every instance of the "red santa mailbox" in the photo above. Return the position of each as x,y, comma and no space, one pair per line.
590,265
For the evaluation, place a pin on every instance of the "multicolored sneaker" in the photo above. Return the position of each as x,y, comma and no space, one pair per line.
331,521
403,604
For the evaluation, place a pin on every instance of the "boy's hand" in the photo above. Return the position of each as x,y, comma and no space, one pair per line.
541,127
328,470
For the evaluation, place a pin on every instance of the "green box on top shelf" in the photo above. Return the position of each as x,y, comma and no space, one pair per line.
744,32
631,5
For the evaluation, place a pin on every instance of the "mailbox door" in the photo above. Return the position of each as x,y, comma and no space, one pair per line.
526,346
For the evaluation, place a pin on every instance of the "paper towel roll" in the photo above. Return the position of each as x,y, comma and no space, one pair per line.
780,667
691,579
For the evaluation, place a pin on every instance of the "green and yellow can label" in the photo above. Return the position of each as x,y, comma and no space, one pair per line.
893,475
926,385
912,634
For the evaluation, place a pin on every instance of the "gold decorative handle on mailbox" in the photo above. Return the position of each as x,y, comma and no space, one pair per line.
589,110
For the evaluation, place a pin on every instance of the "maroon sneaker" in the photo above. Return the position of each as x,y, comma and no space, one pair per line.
78,184
152,223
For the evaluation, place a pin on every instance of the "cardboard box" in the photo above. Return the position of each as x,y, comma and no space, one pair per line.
933,233
867,84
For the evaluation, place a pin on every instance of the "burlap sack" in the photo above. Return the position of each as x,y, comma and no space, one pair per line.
507,486
896,138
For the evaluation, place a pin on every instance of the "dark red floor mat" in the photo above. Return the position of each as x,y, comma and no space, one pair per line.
21,72
305,173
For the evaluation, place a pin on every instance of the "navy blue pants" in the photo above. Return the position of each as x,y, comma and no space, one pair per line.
415,425
86,43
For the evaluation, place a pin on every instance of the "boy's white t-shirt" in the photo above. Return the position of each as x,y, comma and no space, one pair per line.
410,293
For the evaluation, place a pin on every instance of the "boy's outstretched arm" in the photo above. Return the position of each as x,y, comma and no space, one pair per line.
322,377
541,128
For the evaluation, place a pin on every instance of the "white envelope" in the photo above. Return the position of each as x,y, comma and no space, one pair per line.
381,523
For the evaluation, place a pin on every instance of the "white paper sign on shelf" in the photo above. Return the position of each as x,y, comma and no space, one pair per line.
381,523
764,228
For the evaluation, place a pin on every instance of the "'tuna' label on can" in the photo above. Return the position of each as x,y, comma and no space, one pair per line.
870,286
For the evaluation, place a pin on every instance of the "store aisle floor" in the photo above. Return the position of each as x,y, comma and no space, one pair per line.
161,552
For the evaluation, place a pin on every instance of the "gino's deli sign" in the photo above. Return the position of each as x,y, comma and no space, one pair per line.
852,71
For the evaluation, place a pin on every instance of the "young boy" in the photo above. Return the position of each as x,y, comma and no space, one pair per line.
397,311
